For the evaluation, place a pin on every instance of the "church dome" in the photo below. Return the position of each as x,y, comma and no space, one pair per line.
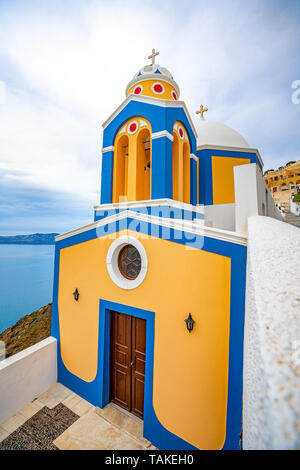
153,68
155,81
216,133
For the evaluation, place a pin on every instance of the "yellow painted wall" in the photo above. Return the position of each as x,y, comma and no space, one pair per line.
190,369
223,178
147,89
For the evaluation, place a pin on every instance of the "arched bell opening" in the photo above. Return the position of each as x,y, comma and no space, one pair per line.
132,161
181,164
176,172
143,162
120,177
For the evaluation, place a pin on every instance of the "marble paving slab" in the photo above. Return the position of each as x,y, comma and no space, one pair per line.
92,432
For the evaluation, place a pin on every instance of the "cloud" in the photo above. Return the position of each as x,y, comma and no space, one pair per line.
26,210
65,66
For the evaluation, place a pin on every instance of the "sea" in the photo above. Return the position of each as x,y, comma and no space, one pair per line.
26,280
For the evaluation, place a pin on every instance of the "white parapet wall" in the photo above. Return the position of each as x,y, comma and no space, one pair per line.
25,375
252,196
271,400
220,216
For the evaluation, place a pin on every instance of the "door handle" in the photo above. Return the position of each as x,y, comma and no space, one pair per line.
131,364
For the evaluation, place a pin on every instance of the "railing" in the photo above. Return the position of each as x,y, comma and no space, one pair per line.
271,412
25,375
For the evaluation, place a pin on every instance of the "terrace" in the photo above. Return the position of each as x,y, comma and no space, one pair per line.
61,420
39,413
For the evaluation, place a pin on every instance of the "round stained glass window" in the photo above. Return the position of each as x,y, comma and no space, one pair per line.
129,262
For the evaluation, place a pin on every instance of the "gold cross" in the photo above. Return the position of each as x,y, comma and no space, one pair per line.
152,56
202,111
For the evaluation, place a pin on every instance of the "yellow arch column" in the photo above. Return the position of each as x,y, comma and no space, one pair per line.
186,172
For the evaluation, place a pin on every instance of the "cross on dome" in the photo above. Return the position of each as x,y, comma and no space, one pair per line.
154,80
152,56
201,111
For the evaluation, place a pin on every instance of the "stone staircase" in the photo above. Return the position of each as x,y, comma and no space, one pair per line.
292,219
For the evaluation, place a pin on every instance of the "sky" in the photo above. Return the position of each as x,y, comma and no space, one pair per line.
64,66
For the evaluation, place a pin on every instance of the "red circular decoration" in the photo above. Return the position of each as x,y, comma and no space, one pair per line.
180,132
132,127
174,95
137,90
158,88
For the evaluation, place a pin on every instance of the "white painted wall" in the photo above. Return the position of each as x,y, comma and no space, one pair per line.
27,374
220,216
294,207
271,397
252,196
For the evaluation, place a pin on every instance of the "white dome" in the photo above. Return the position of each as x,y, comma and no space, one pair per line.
151,69
216,133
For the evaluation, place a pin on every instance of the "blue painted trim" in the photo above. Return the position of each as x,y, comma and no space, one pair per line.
205,178
154,431
205,170
160,118
107,177
193,180
162,169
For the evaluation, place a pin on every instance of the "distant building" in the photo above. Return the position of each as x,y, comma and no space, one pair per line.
294,206
284,183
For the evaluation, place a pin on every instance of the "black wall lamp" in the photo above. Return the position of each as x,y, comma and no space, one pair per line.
189,323
76,294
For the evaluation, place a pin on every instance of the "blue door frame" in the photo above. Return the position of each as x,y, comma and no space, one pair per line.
105,308
153,430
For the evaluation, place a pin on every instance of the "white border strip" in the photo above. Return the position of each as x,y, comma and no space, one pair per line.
157,135
108,149
182,225
232,149
193,157
150,203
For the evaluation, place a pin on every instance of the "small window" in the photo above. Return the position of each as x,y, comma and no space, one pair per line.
129,262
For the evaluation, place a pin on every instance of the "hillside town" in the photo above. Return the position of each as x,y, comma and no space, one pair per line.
284,185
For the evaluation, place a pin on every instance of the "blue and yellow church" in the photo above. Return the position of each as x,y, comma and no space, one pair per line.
149,298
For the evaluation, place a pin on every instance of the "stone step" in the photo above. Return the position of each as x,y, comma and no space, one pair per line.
125,421
292,219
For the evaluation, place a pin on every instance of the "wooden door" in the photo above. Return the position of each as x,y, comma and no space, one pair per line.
138,354
121,360
128,356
